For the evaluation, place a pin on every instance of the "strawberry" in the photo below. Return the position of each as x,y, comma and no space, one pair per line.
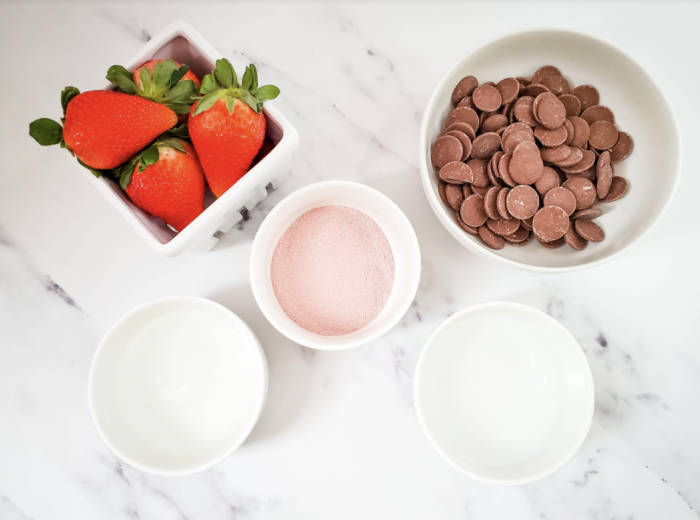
227,126
163,81
102,128
150,65
189,75
166,180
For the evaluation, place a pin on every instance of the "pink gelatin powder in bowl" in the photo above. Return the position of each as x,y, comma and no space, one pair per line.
333,270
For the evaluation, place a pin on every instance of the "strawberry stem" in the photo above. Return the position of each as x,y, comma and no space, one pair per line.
150,155
162,86
222,83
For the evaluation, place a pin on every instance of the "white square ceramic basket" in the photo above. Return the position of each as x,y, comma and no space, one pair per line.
183,44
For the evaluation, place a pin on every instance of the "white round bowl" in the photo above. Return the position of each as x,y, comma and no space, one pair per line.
640,108
176,385
377,206
504,393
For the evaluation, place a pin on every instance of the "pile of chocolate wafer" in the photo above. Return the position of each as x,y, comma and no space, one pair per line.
526,158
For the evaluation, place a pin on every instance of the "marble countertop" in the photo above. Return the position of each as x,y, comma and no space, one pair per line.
339,437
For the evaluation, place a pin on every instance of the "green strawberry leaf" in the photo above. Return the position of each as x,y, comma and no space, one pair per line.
251,101
230,104
126,84
254,73
179,108
207,102
162,73
147,83
118,69
46,132
120,77
182,92
209,85
225,73
175,144
235,77
178,74
266,92
125,172
67,94
247,79
179,131
95,172
149,156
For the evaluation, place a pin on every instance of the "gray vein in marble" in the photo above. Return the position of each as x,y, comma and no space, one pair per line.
417,110
56,289
652,400
685,500
555,308
615,398
7,507
586,475
373,52
119,470
169,500
45,280
260,64
307,354
244,507
131,508
5,240
602,341
359,86
129,26
400,367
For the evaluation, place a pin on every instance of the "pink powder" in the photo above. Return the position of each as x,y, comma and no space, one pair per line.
333,270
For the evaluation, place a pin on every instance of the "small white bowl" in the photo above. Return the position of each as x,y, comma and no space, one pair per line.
176,385
387,215
640,108
504,393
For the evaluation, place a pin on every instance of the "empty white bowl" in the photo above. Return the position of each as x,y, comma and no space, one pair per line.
640,108
504,393
176,385
377,206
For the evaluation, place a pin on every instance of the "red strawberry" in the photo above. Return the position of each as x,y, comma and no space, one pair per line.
227,125
150,65
167,181
102,128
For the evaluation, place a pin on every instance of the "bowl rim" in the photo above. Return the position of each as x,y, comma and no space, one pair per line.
412,246
260,397
418,376
482,250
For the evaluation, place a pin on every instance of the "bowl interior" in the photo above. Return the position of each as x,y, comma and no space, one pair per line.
389,218
639,107
177,385
504,393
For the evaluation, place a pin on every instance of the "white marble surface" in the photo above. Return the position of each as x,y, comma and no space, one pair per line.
338,438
